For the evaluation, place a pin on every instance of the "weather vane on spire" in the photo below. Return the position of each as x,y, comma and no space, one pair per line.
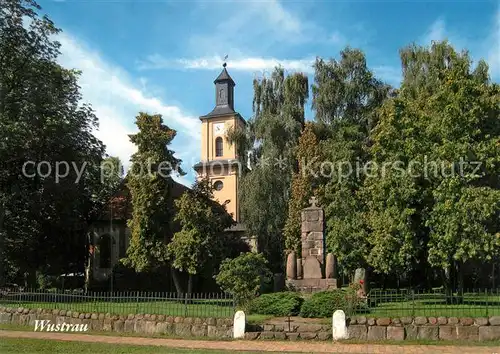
225,58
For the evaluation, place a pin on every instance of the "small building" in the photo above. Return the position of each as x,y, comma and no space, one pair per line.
110,235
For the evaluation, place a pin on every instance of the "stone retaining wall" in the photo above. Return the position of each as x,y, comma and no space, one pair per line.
140,323
363,328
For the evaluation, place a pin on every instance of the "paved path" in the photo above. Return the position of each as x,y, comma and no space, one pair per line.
265,346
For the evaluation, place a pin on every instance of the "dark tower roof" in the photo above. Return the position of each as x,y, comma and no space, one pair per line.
224,76
225,85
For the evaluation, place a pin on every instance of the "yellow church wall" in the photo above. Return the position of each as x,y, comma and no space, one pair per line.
229,178
208,138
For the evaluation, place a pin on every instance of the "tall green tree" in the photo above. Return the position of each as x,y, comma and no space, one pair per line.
42,123
346,95
444,128
202,239
150,186
272,136
346,90
303,185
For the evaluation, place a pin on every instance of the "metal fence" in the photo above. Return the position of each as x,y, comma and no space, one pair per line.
158,303
431,303
378,303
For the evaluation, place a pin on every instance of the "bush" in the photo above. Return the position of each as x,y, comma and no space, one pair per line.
325,303
277,304
243,275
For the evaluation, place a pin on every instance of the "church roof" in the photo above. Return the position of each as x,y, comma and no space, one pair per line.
219,111
120,204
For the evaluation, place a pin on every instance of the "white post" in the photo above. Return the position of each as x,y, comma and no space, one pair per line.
339,329
239,325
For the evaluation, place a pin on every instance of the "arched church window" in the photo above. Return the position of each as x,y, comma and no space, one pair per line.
105,251
218,147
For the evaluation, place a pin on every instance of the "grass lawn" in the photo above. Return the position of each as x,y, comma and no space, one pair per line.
168,308
434,305
22,345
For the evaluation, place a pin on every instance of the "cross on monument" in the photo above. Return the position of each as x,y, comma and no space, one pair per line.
313,202
289,320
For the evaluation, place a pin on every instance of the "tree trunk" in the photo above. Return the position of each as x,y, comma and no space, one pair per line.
492,274
177,282
460,283
190,285
448,285
88,263
2,256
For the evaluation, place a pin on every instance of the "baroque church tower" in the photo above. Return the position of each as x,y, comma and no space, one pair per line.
219,159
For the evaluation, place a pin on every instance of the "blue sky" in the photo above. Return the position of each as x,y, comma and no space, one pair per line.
162,56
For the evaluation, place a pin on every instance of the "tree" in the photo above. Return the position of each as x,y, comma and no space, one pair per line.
346,90
346,96
150,184
304,183
42,124
242,276
272,135
202,238
444,209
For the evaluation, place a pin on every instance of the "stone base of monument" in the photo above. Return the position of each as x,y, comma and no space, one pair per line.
312,285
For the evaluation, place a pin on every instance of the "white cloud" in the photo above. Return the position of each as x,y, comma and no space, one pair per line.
436,32
255,26
277,15
243,64
117,100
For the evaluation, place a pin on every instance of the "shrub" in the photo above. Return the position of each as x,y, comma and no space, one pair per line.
277,304
243,275
325,303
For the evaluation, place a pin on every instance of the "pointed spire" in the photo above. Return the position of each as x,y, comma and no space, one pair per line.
224,75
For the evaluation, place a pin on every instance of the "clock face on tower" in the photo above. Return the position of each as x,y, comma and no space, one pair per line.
219,128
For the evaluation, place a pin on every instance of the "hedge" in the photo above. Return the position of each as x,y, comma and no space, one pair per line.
277,304
325,303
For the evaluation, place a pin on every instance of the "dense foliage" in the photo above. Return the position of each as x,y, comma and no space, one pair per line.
150,185
243,276
303,184
325,303
277,304
271,137
43,216
442,207
201,242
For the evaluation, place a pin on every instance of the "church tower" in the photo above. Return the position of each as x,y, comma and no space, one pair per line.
219,159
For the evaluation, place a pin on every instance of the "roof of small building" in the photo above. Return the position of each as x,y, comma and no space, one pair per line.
120,204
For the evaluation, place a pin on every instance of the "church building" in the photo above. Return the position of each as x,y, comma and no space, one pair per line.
219,162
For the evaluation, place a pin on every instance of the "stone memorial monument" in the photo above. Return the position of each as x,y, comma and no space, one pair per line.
313,270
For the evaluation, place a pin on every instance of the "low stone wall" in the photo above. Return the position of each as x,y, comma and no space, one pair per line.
140,323
363,328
